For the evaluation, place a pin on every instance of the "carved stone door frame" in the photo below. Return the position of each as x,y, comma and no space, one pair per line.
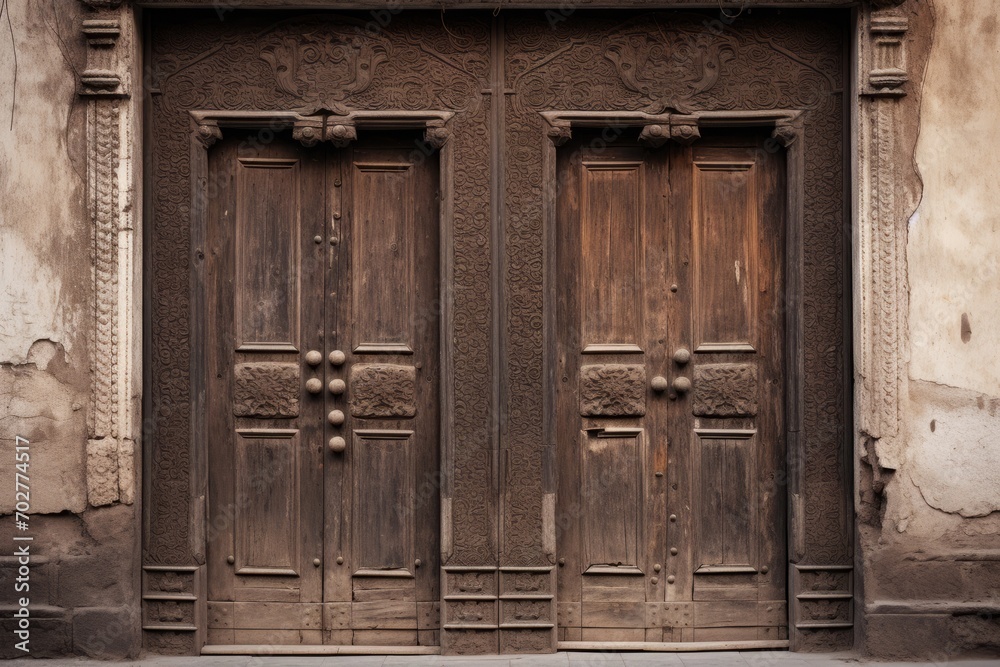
113,82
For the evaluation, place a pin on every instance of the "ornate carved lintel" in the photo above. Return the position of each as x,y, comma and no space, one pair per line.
339,129
885,55
685,129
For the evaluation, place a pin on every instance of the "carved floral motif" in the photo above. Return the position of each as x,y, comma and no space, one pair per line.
613,390
383,390
725,390
266,389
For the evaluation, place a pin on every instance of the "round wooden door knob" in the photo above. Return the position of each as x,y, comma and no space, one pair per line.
337,358
314,385
336,417
313,357
682,356
337,387
337,445
681,385
660,384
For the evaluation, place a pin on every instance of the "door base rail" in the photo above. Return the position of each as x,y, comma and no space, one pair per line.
674,647
315,649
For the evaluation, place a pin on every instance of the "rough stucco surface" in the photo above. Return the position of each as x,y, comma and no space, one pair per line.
954,268
44,258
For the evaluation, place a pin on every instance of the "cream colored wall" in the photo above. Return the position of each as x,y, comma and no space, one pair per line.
951,465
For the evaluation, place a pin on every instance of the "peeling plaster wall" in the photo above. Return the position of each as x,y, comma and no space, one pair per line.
932,562
954,264
83,587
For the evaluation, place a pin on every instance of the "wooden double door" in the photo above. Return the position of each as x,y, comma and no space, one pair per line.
321,284
669,382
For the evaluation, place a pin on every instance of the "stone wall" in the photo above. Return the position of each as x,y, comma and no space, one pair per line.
931,526
84,565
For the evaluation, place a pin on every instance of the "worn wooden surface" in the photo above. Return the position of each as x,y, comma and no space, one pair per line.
307,249
499,470
671,525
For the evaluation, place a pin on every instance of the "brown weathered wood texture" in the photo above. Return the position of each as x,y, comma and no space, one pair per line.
485,375
313,253
672,527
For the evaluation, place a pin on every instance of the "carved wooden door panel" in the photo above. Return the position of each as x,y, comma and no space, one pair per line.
382,521
670,391
322,382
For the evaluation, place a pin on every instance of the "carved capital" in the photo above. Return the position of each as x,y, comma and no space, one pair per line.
560,132
787,131
341,135
207,133
101,32
102,76
884,56
436,135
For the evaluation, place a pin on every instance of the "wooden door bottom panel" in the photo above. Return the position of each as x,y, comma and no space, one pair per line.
270,649
676,647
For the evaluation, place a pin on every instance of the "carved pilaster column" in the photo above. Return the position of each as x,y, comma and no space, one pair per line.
105,84
880,310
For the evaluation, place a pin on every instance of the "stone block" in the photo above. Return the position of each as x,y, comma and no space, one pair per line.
49,638
101,578
106,633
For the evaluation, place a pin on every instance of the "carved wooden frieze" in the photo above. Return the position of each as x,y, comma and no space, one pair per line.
266,389
305,64
383,391
725,390
613,390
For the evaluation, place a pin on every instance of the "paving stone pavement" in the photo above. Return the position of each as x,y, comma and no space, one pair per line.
564,659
